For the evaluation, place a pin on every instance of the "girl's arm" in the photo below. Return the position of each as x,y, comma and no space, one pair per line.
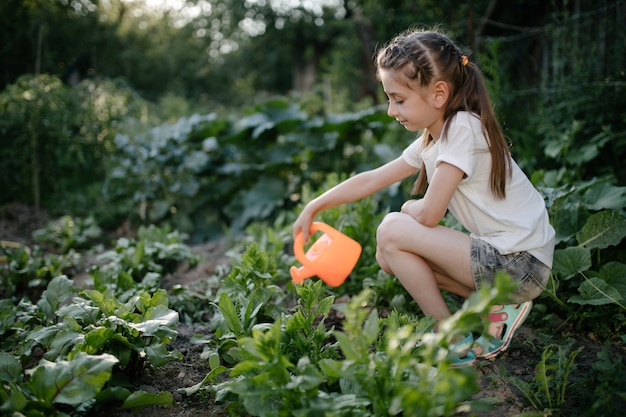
430,210
352,189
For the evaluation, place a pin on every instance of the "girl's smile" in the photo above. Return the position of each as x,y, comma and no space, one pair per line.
414,108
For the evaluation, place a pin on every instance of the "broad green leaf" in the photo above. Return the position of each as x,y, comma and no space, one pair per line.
614,273
62,343
196,161
59,289
602,230
140,399
72,382
7,315
113,394
594,291
156,354
15,401
157,320
43,335
567,215
79,310
256,202
96,339
10,367
604,196
571,261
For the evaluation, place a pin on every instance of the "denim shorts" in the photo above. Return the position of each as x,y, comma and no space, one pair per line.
528,272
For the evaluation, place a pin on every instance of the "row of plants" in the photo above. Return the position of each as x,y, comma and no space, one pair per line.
100,149
74,348
274,349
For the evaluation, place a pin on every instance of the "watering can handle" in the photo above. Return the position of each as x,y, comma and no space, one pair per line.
298,245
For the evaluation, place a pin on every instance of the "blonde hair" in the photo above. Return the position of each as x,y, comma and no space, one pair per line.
427,56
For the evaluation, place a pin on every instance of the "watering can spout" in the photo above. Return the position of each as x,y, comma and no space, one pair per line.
298,275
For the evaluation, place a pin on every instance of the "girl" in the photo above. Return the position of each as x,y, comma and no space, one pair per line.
463,157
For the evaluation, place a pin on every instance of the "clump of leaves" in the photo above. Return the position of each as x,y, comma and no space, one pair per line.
547,391
69,232
154,252
371,370
70,347
26,272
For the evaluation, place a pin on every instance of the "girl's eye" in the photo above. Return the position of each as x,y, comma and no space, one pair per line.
399,102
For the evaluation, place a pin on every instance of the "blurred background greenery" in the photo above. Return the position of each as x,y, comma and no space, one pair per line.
107,105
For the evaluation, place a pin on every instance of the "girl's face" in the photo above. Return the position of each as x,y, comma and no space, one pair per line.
414,108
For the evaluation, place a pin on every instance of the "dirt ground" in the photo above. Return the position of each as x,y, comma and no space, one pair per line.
17,224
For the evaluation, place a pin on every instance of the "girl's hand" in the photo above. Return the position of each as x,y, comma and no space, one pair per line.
303,224
412,208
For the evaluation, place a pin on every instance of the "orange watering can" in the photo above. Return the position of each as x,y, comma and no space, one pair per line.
332,257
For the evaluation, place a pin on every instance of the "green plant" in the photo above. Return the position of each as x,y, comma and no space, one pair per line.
608,379
69,232
253,276
27,272
155,251
70,347
179,172
547,391
306,329
371,370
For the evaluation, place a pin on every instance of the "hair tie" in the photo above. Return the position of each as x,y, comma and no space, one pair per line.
464,60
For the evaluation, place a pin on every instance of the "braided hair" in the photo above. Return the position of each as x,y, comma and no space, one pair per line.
426,56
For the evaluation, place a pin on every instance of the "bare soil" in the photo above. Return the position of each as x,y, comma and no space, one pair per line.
17,223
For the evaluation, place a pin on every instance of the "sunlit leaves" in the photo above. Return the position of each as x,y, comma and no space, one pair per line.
72,382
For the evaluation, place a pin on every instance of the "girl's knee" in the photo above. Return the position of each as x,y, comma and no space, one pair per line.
389,229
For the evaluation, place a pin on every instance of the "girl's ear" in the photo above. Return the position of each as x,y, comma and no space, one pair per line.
441,92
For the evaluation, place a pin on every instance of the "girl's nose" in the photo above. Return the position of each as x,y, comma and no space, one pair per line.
391,110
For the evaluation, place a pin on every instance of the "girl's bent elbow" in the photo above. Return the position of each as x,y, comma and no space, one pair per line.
430,222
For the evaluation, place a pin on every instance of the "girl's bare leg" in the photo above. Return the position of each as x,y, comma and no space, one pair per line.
425,260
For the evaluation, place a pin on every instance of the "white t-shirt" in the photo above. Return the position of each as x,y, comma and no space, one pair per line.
517,223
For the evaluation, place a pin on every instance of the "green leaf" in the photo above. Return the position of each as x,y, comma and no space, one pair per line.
10,367
230,314
59,289
63,341
604,196
156,354
333,368
296,322
142,399
72,382
79,310
614,273
370,328
107,304
567,215
96,339
571,261
156,321
594,291
602,230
